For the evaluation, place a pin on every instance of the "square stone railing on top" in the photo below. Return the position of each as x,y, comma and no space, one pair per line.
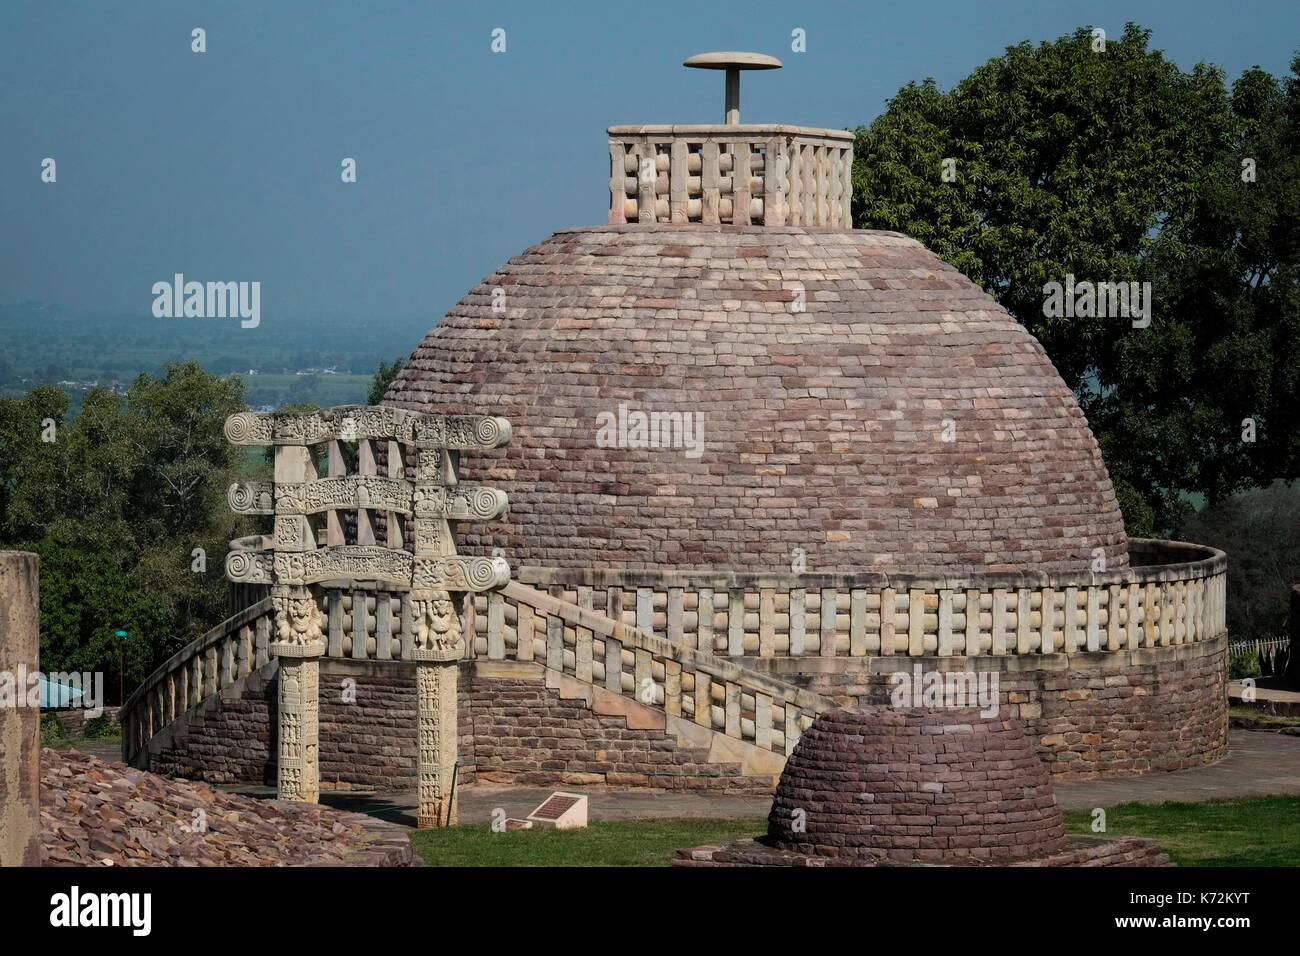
740,175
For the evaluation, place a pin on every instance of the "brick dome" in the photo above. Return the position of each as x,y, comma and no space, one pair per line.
823,429
915,786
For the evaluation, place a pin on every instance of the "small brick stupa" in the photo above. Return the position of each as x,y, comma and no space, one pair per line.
932,786
883,787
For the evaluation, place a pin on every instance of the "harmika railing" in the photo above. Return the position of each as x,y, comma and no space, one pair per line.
740,175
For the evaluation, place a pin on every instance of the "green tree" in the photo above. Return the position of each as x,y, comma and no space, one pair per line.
23,428
1260,531
127,508
384,376
86,597
1118,166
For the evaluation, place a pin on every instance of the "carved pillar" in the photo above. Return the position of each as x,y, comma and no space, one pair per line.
438,642
438,649
435,685
299,641
298,648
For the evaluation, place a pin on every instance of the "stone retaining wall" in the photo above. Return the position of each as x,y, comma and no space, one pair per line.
513,728
1089,715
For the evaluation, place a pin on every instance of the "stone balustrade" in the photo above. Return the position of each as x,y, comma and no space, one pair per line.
1173,595
718,695
643,635
206,666
361,621
740,175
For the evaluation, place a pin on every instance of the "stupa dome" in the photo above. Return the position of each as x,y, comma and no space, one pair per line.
915,786
859,399
728,376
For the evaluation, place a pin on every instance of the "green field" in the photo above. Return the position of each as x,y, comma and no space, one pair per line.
606,843
1251,831
1248,831
280,388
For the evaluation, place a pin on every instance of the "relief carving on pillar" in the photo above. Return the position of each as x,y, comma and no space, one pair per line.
436,759
436,625
297,618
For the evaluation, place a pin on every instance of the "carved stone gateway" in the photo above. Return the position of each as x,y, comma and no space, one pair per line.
329,527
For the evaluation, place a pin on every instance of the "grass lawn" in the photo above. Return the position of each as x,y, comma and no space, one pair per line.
1250,831
604,843
1247,831
1262,718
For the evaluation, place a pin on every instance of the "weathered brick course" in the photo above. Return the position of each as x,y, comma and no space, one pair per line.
915,786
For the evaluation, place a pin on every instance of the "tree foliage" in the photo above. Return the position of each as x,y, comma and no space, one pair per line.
1117,166
384,376
1260,531
126,506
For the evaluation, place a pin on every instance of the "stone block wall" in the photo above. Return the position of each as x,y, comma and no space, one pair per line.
1089,714
526,733
231,743
513,729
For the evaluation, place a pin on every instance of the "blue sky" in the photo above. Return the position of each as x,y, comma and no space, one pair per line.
225,165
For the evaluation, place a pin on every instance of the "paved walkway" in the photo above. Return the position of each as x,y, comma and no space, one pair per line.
1260,763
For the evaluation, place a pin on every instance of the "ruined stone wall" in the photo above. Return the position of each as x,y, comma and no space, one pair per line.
20,726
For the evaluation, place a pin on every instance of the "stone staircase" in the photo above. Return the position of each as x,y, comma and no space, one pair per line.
582,699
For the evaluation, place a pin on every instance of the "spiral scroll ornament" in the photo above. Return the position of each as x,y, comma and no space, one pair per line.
475,574
245,428
248,567
242,497
492,432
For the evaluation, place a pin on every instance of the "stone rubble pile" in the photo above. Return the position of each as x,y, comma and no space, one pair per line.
96,813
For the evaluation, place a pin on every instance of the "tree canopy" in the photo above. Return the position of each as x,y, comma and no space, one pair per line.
1112,164
126,506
